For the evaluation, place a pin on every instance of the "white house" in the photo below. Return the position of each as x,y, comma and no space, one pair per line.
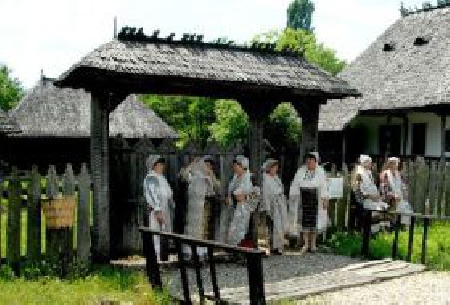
404,78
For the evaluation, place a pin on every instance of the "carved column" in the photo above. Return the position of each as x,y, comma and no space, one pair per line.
309,112
102,103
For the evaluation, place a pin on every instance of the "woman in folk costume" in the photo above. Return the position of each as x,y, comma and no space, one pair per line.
239,192
201,184
274,203
309,215
366,191
159,196
393,189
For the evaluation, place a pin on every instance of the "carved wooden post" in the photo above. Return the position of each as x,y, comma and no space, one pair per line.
309,113
102,103
257,111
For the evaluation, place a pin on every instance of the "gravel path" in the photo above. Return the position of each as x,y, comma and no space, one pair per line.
423,288
276,268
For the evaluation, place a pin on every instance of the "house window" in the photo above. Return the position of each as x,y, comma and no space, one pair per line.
419,133
388,47
447,140
420,41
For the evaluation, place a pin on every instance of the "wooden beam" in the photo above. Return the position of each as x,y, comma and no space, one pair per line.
344,146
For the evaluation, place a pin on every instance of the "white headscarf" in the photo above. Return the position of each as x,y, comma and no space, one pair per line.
151,161
394,160
315,154
240,159
364,159
268,164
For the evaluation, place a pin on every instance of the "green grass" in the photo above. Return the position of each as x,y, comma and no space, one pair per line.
104,283
438,245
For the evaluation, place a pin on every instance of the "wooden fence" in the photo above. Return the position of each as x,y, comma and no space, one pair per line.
25,237
428,186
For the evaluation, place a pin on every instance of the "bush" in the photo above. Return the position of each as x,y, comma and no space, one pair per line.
438,245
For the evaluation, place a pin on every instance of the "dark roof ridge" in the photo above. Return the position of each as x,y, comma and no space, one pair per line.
426,7
132,34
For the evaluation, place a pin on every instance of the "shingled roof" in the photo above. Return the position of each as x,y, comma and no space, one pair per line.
7,124
48,111
182,67
407,67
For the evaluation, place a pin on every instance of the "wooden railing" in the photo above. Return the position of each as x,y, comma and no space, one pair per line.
367,222
253,263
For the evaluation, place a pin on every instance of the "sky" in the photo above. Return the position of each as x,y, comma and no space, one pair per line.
52,35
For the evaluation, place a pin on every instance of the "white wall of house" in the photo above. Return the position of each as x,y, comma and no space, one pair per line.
433,131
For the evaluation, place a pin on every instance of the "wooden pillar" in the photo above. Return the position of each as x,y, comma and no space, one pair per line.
100,175
258,110
405,134
344,146
443,142
309,113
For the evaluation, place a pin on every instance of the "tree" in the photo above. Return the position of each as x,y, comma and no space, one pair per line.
299,15
189,116
11,90
231,123
305,43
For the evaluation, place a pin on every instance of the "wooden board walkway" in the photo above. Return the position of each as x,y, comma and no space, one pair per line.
350,276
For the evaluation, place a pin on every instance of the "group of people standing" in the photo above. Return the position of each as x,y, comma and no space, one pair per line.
304,211
391,194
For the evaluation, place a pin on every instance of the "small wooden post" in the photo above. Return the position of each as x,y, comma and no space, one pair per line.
411,239
34,217
256,279
14,222
367,230
447,191
152,267
405,134
426,224
395,243
212,270
83,217
183,272
68,190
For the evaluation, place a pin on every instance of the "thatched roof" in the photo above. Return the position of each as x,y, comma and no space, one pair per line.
196,68
7,124
48,111
398,71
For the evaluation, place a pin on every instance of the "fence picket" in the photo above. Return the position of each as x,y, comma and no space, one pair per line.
34,219
83,217
52,236
432,188
447,191
14,221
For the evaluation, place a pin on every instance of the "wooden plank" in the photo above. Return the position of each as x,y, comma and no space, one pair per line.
343,202
440,188
34,217
447,191
432,188
68,189
14,221
83,217
52,235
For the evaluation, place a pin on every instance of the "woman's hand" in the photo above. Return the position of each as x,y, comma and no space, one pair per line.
159,217
227,200
240,198
325,203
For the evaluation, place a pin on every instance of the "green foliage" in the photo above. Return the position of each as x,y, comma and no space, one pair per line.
299,15
438,247
104,283
11,90
305,43
283,128
231,123
189,116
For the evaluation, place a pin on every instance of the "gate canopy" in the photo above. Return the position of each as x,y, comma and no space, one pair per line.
142,64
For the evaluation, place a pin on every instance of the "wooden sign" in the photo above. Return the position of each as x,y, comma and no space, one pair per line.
60,212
